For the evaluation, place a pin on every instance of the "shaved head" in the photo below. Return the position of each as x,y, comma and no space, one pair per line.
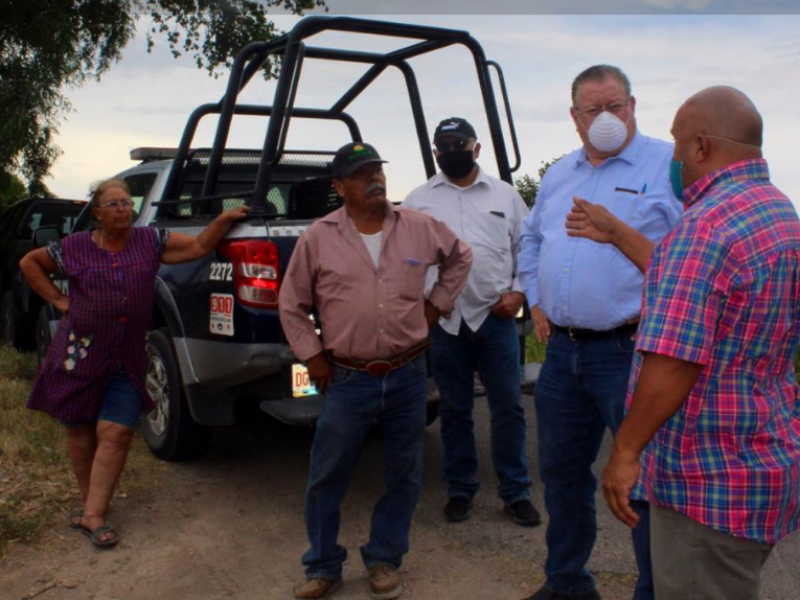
716,127
724,112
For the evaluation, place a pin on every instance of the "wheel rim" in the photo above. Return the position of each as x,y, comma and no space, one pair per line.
158,386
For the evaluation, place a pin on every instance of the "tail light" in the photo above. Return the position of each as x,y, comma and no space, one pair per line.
256,271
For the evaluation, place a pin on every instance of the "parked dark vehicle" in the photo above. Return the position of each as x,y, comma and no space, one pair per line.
20,306
217,344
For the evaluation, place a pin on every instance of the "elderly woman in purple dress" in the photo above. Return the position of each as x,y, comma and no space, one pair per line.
93,378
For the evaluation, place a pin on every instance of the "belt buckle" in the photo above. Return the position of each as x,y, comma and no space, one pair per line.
378,367
571,334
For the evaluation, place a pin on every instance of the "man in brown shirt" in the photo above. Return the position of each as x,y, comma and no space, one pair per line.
363,269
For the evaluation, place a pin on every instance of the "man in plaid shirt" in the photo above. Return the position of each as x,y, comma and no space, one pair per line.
713,409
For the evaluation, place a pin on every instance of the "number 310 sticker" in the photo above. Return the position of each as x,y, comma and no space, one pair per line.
221,314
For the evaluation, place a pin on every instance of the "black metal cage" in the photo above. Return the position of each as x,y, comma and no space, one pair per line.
217,165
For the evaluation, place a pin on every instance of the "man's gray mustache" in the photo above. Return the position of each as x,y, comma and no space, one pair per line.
375,186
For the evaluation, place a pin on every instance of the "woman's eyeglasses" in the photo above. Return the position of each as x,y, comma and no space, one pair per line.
115,204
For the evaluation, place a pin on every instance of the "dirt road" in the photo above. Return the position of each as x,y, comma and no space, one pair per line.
231,526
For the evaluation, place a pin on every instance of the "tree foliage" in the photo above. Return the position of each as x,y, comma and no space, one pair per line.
49,46
528,187
11,190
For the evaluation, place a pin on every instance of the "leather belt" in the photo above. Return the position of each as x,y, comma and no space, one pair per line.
382,367
577,334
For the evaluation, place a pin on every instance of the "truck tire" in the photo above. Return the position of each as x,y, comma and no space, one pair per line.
43,337
9,321
169,430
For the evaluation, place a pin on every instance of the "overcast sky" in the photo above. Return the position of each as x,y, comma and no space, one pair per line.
145,99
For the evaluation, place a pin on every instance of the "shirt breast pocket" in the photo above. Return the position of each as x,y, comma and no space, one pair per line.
487,231
628,207
412,281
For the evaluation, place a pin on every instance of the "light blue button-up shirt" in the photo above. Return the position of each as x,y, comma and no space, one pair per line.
578,282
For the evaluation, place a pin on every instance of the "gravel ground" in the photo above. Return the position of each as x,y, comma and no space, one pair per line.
231,526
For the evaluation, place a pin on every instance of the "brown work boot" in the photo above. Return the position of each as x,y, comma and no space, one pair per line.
385,582
317,589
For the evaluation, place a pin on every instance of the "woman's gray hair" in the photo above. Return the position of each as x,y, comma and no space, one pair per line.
99,188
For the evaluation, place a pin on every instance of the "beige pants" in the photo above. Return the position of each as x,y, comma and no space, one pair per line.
694,562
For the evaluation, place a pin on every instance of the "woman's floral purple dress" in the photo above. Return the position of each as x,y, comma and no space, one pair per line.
110,312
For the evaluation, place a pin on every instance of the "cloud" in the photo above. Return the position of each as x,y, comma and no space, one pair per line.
145,99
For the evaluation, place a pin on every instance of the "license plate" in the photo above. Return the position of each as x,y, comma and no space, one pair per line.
301,384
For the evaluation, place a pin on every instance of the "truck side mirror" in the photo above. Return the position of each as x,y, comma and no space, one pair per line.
45,235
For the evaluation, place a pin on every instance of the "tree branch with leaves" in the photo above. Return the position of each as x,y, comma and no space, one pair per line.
528,187
48,47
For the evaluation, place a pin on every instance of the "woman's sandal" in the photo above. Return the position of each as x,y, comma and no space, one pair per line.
76,514
96,534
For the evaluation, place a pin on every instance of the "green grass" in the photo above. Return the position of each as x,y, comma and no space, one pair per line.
33,473
36,482
534,349
16,365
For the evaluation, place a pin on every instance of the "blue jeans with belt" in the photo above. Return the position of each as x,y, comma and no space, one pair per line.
354,401
494,349
580,392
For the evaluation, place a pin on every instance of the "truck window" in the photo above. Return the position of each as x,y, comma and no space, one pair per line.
140,185
49,214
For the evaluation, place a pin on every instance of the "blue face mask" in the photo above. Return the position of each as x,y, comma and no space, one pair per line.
676,175
676,178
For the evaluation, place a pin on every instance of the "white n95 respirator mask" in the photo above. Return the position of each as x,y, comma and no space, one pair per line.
608,132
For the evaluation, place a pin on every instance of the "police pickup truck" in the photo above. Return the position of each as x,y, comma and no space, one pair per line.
217,346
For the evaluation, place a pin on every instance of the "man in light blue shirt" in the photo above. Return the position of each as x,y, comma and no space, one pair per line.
585,301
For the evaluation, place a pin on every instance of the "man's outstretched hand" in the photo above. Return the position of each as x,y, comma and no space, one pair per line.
591,221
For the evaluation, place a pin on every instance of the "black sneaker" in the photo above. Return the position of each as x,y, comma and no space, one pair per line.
524,513
457,509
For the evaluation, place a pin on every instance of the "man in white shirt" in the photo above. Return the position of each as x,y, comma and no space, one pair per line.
488,214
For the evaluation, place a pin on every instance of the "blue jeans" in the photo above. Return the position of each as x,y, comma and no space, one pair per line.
494,348
581,391
353,401
120,404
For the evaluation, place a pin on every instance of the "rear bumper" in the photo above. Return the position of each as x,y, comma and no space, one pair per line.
294,411
222,374
224,364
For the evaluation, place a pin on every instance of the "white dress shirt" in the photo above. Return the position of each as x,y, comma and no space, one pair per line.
488,215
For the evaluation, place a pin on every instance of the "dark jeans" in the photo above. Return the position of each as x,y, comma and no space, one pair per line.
494,348
355,399
581,391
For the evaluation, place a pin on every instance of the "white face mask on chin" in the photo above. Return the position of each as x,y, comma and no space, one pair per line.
608,132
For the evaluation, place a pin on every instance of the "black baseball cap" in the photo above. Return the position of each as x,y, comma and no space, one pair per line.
455,127
351,157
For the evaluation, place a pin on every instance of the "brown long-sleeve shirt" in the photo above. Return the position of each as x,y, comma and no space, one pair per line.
367,312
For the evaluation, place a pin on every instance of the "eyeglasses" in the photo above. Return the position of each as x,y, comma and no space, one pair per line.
456,144
614,108
114,204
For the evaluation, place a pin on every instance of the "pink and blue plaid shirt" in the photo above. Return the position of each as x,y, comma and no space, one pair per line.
723,290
